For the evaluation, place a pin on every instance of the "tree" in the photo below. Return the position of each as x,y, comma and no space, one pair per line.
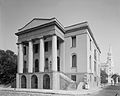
8,66
119,78
104,77
114,76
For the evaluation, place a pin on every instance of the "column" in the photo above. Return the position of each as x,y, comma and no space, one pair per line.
20,58
54,63
54,53
30,57
42,57
17,81
62,56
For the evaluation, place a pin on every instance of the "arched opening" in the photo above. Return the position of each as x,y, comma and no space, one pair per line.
23,82
58,64
34,82
36,65
46,82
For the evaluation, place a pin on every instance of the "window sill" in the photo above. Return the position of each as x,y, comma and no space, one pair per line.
73,67
73,46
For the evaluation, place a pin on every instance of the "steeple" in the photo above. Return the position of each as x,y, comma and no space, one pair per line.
110,60
109,57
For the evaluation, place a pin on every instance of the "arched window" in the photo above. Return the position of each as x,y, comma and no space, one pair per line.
90,66
36,65
46,81
34,82
95,54
74,60
58,63
23,82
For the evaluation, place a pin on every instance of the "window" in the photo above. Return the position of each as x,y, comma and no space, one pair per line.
74,41
46,64
46,46
90,78
58,44
58,63
25,67
95,79
36,48
36,65
23,82
90,63
46,81
24,50
73,77
90,44
94,66
74,61
34,82
95,54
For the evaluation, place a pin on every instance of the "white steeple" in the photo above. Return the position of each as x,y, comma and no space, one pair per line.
110,61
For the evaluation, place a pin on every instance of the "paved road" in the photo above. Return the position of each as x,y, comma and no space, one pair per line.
109,90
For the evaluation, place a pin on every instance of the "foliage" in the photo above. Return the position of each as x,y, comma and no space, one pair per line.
114,76
119,78
104,77
8,66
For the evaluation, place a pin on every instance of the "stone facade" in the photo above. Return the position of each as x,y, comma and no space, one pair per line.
51,56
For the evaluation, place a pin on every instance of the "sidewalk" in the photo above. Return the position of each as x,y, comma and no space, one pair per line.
59,92
89,91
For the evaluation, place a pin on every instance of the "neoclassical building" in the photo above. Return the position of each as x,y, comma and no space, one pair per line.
51,56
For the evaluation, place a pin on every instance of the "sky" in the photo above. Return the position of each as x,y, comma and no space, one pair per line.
103,17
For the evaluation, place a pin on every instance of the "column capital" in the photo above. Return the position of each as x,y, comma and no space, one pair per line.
30,40
19,43
42,37
23,42
54,34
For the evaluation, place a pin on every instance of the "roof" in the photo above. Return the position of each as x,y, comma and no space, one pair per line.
39,23
33,23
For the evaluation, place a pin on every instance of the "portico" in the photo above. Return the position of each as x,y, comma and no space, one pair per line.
38,55
41,55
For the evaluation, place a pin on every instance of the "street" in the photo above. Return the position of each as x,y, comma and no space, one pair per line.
110,90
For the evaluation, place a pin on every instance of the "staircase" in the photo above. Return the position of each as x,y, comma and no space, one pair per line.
66,82
80,86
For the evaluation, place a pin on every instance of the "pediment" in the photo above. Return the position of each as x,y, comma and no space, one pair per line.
34,23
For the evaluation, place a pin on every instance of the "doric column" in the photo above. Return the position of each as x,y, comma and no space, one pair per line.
20,58
54,53
30,57
62,56
42,57
17,81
